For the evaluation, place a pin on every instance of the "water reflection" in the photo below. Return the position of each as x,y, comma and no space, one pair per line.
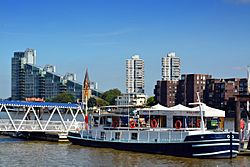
40,153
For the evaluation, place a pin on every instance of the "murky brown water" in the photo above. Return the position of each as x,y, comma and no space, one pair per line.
40,153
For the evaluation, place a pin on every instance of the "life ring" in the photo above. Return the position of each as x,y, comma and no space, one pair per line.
198,123
132,124
154,123
115,124
178,124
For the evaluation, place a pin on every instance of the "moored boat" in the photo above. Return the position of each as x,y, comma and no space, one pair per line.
149,134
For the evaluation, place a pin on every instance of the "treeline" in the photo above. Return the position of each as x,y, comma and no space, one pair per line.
105,99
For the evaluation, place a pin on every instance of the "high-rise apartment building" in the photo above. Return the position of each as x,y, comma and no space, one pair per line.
135,75
171,67
28,80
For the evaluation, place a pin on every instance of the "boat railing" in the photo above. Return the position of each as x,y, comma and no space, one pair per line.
158,136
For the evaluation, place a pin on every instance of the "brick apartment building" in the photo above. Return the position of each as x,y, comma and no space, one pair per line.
165,92
220,93
188,87
217,93
170,93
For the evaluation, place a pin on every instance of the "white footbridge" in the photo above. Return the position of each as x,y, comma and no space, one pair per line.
20,116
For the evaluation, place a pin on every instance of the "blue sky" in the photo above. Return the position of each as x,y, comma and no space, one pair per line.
210,36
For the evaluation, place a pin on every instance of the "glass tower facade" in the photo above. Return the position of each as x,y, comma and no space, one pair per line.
28,80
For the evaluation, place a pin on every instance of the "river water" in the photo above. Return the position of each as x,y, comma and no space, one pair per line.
16,152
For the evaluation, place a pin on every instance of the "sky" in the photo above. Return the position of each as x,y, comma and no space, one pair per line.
210,37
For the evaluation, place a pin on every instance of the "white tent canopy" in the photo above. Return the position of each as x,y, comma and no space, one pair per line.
210,112
183,110
180,107
158,107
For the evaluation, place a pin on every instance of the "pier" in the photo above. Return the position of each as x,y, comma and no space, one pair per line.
40,118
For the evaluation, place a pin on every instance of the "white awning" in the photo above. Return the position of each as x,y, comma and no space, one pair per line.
183,110
158,107
180,107
210,112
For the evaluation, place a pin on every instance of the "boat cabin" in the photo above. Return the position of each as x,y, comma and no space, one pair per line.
182,117
158,116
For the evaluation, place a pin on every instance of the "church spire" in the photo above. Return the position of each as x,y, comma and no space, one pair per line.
86,92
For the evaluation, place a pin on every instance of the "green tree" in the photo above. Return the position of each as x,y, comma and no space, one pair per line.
101,102
151,101
92,102
64,98
111,95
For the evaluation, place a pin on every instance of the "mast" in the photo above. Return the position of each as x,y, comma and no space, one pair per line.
201,111
202,124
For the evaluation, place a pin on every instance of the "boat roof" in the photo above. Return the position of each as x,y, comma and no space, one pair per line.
180,107
39,104
208,111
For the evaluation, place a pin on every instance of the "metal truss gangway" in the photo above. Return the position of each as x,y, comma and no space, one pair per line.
21,116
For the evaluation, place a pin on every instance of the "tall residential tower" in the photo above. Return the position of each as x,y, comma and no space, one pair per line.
166,89
135,75
171,67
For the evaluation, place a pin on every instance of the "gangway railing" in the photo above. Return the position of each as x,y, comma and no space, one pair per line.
18,116
33,126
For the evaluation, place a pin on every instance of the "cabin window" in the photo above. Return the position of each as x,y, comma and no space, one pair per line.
134,136
102,135
117,135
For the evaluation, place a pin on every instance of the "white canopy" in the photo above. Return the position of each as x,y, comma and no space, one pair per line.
158,107
180,107
210,112
183,110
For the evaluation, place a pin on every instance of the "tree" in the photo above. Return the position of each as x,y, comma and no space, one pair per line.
101,102
111,95
92,102
64,98
151,101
